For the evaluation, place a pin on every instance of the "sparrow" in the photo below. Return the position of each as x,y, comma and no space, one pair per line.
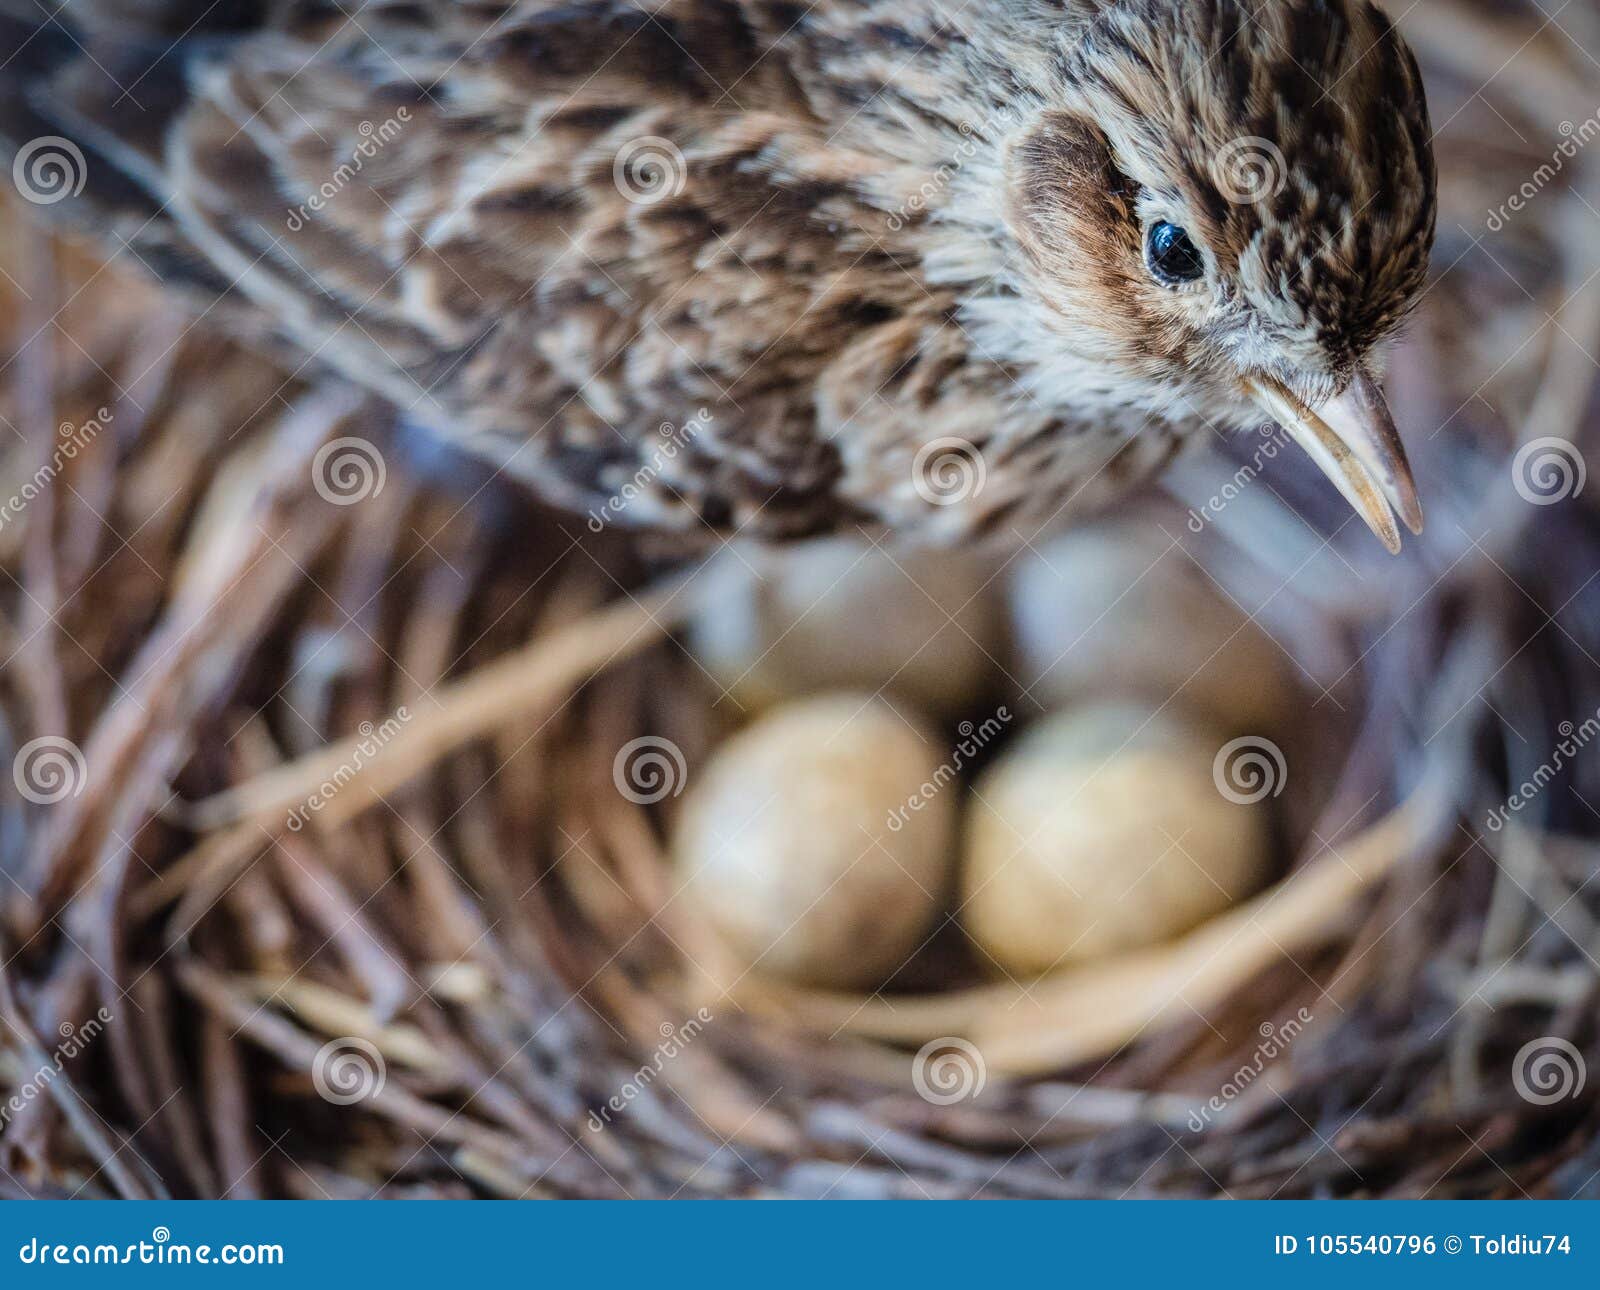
760,266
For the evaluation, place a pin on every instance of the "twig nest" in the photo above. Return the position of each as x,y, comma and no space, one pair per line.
785,622
1103,830
1117,609
785,841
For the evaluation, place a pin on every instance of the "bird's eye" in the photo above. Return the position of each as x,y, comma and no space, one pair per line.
1173,257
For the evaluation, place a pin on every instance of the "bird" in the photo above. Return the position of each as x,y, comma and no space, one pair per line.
950,269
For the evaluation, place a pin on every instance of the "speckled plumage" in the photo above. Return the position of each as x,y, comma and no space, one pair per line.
894,223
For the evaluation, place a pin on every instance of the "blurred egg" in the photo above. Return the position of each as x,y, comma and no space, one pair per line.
795,841
1116,609
787,621
1102,830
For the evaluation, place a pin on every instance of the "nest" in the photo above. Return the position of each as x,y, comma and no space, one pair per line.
321,883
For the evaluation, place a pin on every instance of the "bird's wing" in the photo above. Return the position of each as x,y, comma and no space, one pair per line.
591,240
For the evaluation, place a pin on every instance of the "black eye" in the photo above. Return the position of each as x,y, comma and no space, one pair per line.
1174,259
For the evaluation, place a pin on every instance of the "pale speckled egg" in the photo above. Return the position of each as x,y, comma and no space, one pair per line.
1116,610
1102,830
778,623
816,842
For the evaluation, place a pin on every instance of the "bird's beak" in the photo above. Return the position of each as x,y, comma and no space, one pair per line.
1354,440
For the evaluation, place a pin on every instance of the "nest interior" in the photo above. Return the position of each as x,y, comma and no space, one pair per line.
328,889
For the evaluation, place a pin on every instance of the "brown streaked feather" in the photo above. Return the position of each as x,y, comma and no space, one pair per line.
892,226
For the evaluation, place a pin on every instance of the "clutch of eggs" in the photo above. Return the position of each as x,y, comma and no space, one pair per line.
820,840
824,839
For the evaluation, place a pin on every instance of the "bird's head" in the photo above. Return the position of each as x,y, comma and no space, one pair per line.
1228,210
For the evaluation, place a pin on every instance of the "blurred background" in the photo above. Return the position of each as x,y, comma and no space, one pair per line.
368,829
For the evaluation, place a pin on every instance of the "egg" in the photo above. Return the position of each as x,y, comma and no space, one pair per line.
817,841
1117,609
779,623
1103,830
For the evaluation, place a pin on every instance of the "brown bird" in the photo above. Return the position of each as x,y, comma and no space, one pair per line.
949,268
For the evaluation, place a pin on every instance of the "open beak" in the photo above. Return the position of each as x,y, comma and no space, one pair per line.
1354,440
